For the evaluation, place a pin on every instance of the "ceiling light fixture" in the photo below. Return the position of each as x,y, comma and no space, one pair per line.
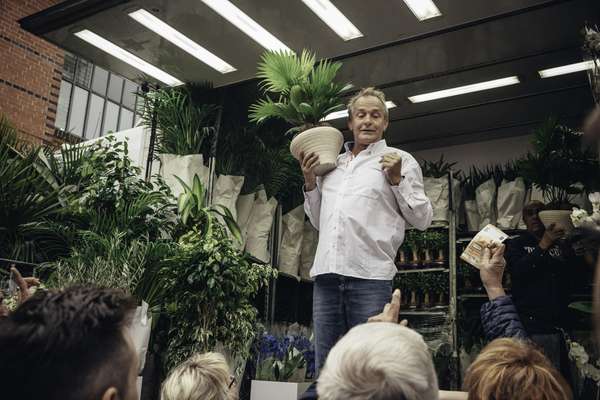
423,9
180,40
566,69
476,87
344,113
127,57
334,18
246,24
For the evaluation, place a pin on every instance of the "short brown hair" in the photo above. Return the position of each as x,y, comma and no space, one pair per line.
364,92
511,369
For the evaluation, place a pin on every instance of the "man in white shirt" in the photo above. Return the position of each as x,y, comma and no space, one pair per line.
360,209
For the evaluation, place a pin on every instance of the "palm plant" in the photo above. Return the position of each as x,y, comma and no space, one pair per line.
183,126
305,92
438,169
28,205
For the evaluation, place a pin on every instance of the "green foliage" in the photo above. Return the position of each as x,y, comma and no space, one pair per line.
557,162
193,207
438,169
305,92
434,240
475,178
183,124
209,286
28,204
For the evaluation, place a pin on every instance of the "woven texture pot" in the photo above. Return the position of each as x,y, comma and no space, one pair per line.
561,218
325,141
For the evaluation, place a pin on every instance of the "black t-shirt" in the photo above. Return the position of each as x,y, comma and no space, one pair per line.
541,282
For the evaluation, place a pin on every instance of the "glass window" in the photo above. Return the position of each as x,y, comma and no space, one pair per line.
64,97
129,94
69,66
100,80
111,117
115,88
83,75
126,120
94,117
77,113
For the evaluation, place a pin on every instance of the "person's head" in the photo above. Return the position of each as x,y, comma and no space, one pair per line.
381,360
200,377
531,217
69,345
367,116
511,369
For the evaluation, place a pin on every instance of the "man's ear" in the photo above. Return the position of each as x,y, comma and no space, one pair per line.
111,394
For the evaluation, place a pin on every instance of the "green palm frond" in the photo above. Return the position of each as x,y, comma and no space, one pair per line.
280,70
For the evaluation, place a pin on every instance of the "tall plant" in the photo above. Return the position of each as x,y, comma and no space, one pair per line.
305,90
183,125
557,162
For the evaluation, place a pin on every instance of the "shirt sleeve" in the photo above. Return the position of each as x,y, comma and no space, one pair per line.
410,195
499,318
312,204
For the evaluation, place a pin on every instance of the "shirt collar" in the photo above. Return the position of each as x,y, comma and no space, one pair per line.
373,147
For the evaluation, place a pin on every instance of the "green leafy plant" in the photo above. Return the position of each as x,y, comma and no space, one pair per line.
209,287
439,168
28,204
306,90
183,125
193,207
557,162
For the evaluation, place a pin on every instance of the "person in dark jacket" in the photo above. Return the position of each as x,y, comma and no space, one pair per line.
539,265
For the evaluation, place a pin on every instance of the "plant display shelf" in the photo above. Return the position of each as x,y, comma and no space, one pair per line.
413,271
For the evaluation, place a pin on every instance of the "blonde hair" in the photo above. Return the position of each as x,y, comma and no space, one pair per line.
201,377
511,369
364,92
381,361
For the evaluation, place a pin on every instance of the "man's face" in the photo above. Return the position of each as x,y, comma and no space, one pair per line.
368,120
532,219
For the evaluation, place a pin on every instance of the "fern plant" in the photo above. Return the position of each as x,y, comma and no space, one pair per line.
305,91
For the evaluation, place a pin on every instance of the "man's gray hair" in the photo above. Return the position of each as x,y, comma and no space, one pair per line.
379,360
364,92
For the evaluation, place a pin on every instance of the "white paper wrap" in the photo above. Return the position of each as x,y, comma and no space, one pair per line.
259,226
485,195
510,202
139,330
472,215
244,206
436,189
227,191
291,241
185,167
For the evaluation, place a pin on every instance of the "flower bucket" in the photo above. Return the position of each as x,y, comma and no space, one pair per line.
325,141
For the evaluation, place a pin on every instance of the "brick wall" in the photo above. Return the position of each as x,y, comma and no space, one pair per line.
30,73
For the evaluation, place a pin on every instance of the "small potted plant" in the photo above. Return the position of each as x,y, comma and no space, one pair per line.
427,285
306,93
557,162
412,242
440,285
436,186
401,260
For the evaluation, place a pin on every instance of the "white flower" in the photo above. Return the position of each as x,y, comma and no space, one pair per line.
578,217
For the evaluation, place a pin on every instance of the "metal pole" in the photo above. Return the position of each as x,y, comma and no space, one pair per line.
212,157
453,274
153,124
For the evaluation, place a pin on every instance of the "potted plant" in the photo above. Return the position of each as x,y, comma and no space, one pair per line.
436,186
427,286
511,195
183,129
411,239
282,365
558,161
401,260
306,92
440,287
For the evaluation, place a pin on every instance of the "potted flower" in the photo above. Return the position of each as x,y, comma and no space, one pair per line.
557,162
282,366
436,185
306,92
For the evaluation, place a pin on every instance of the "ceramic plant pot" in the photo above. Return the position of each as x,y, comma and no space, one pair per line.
325,141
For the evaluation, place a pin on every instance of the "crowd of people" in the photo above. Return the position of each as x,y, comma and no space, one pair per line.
75,344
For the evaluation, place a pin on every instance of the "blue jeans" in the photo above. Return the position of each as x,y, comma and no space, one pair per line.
339,304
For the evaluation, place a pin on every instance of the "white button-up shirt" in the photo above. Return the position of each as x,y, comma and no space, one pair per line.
361,217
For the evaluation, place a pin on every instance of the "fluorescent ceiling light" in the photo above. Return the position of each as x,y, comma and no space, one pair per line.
423,9
180,40
477,87
246,24
334,18
344,113
566,69
127,57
